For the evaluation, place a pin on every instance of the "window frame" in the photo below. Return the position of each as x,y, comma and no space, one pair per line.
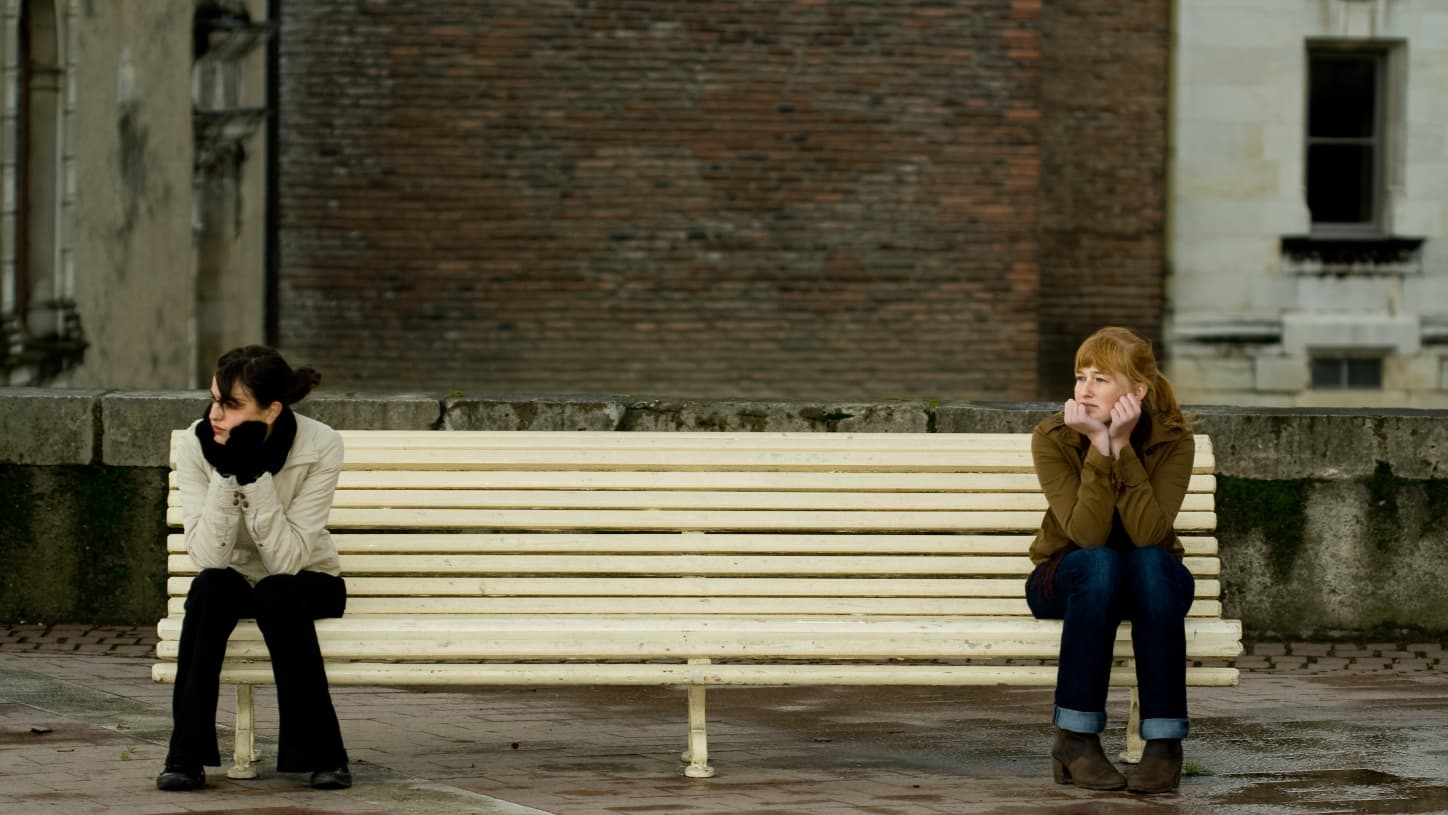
1382,56
1344,359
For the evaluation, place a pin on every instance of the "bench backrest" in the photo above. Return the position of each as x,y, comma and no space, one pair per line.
697,523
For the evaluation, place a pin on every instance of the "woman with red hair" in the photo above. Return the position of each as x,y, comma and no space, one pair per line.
1114,466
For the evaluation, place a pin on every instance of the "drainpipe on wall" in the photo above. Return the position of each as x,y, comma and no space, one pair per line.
272,305
1169,210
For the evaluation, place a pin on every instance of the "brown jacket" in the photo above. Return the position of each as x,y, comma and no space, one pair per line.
1086,490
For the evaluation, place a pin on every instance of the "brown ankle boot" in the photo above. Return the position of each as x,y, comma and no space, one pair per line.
1076,758
1160,769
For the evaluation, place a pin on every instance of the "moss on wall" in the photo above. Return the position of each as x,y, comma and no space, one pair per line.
82,544
1274,507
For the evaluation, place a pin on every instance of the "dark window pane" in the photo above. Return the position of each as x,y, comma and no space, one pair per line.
1340,183
1338,373
1364,373
1327,372
1343,100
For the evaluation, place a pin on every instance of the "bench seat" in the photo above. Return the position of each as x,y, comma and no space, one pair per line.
694,559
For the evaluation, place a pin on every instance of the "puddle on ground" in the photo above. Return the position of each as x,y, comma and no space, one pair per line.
1352,792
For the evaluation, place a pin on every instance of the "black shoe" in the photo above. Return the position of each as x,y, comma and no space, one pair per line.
179,777
338,779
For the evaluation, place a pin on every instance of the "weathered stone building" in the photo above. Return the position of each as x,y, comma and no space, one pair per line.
833,199
1310,203
131,214
95,245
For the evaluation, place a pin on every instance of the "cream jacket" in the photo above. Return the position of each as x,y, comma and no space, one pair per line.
274,525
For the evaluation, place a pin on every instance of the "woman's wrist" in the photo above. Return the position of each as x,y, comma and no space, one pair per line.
1103,444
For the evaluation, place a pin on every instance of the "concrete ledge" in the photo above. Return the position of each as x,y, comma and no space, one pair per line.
136,425
45,426
532,412
129,428
752,416
985,417
381,411
1277,444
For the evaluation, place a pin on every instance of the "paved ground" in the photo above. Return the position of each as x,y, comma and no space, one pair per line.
1314,728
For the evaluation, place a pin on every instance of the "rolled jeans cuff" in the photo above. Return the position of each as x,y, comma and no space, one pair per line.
1078,722
1165,729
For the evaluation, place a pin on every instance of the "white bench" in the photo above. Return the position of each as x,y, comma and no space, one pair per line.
693,559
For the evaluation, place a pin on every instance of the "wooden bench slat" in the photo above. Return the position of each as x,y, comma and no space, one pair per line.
706,481
959,631
683,674
724,461
714,645
692,542
751,481
702,440
696,520
705,500
686,587
961,606
723,636
1017,566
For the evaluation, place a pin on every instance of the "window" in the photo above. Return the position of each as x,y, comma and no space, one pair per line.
1345,139
1347,373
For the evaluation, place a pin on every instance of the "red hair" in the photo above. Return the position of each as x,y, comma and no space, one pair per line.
1123,352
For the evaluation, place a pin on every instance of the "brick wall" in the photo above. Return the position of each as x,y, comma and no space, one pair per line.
818,198
1104,75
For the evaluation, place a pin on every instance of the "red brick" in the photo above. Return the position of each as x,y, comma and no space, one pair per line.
1104,69
511,196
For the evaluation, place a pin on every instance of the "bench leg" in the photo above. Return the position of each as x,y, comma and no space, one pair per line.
1134,744
697,754
244,758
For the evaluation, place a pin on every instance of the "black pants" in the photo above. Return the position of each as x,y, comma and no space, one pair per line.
284,607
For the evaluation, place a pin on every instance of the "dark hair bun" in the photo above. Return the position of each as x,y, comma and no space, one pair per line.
307,378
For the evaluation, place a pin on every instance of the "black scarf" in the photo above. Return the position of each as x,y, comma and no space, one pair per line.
275,449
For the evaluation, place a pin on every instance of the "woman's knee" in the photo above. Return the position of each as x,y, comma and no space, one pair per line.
1158,580
210,587
1095,572
276,597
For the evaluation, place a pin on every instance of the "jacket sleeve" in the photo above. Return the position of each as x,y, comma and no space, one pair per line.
210,507
1082,500
286,539
1148,502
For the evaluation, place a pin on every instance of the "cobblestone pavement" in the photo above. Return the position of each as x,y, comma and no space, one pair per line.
1314,728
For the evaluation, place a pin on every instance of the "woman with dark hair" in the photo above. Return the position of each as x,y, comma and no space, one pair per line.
256,483
1114,465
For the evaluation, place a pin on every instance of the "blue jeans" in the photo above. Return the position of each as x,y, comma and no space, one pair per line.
1093,591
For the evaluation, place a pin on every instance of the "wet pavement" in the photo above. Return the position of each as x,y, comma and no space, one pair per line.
1313,728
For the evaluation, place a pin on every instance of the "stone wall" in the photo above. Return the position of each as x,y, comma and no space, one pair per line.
1330,521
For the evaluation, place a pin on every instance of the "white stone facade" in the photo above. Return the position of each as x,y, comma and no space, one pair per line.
1251,313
